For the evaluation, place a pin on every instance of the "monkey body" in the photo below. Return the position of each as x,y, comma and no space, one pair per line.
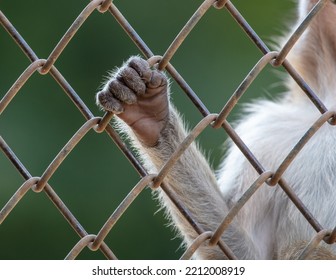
269,225
279,221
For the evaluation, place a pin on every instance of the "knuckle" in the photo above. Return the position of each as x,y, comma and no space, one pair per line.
141,66
131,79
108,103
158,79
129,73
114,86
122,92
138,61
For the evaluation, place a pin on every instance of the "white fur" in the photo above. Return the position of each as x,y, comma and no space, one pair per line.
269,225
271,131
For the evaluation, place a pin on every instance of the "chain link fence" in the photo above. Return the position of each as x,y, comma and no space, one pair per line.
96,241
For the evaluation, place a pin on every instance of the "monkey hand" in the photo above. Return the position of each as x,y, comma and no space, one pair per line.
138,95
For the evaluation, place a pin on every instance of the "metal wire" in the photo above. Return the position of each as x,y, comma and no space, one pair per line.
102,124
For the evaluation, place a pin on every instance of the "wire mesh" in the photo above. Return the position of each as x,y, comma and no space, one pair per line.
94,242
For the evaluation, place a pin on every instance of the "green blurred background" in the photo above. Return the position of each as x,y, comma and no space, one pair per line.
96,176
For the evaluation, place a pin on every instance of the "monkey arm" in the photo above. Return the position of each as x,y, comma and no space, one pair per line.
138,95
195,185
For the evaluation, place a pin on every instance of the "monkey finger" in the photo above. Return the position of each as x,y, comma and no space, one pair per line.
158,79
132,80
142,67
122,92
109,103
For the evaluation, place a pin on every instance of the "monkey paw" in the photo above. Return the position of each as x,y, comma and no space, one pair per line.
138,95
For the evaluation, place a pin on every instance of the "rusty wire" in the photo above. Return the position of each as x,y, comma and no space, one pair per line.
316,240
298,32
102,124
187,255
